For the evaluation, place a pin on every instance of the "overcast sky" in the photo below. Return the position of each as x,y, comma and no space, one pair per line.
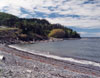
80,15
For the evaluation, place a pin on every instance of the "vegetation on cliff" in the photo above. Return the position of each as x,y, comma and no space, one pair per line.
34,29
57,33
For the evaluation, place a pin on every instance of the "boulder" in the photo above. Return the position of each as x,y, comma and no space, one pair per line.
2,57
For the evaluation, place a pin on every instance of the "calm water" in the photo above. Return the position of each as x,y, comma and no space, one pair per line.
86,48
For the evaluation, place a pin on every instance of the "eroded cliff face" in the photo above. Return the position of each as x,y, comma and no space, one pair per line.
9,35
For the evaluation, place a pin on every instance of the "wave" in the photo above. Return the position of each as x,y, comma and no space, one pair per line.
85,62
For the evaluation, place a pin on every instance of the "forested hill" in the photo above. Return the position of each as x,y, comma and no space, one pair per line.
30,29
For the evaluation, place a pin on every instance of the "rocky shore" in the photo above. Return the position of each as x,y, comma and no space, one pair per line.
19,64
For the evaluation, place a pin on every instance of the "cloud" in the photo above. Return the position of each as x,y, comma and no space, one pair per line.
76,22
77,13
90,34
83,33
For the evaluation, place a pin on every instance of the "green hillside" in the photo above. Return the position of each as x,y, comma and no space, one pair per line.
33,29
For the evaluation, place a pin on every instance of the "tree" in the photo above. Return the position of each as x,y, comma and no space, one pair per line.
57,33
36,28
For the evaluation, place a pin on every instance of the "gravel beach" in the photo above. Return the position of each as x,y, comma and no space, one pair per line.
19,64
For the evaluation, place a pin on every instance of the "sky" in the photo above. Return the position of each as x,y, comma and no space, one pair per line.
82,16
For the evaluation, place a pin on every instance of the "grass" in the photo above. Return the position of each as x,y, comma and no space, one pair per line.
6,29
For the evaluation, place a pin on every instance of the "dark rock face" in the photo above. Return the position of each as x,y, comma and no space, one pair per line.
9,36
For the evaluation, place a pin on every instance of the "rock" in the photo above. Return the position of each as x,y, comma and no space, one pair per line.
2,57
29,71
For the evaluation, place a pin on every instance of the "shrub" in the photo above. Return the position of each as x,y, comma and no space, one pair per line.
57,33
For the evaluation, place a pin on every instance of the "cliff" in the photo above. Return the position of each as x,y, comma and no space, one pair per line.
9,35
29,29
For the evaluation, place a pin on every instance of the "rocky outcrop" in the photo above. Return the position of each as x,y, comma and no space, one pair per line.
9,35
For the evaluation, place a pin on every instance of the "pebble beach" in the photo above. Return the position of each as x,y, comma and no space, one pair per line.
19,64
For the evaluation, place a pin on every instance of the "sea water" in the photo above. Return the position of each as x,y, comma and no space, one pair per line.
84,51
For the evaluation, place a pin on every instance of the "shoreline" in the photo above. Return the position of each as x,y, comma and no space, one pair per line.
75,67
37,41
67,58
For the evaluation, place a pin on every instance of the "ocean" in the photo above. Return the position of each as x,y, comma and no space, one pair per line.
84,51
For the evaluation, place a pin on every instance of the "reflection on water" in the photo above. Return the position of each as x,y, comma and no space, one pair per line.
86,48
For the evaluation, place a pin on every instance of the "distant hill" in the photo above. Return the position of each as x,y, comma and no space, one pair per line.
33,29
